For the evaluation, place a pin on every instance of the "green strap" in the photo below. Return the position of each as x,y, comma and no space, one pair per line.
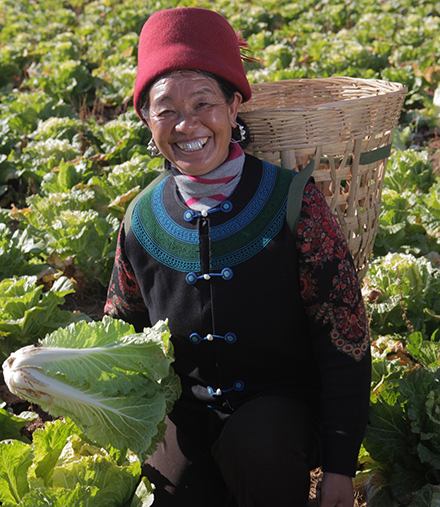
129,212
294,199
370,157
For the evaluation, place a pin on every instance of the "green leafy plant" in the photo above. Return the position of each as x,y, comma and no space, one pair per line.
403,442
27,313
409,170
66,225
10,424
429,210
408,289
62,467
425,352
18,250
400,229
115,384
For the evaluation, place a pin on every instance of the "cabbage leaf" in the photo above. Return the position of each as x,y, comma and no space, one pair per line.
115,384
11,424
62,467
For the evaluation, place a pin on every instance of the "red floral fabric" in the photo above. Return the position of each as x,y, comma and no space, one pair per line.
124,295
335,300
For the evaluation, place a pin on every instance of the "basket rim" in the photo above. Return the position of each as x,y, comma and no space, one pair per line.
383,90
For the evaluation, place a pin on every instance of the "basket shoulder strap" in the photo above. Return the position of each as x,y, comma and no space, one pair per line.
294,198
150,186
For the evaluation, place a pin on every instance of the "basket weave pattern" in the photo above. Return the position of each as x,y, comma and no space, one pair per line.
342,122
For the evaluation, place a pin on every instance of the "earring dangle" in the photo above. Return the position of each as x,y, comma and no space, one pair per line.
152,148
242,132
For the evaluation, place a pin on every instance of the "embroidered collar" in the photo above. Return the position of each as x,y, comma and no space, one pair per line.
177,244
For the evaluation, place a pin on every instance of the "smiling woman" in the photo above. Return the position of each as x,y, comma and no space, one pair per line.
191,121
209,249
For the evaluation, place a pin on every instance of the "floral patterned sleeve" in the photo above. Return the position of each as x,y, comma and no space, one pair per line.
124,298
332,298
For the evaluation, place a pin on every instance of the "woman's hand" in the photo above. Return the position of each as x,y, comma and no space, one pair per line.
335,490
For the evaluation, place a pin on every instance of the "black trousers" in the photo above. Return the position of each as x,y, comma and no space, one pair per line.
262,456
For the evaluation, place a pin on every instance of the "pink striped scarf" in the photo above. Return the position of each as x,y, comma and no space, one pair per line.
205,192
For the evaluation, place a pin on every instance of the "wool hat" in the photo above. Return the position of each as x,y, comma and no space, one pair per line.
190,38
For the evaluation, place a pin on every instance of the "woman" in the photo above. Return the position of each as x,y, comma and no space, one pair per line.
269,331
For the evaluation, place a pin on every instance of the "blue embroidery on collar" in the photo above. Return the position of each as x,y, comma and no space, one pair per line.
157,251
167,223
220,232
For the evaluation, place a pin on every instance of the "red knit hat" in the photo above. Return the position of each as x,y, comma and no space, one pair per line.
189,38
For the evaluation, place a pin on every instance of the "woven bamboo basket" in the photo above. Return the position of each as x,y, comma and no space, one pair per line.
347,125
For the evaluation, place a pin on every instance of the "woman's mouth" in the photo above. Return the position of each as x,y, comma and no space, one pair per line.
193,145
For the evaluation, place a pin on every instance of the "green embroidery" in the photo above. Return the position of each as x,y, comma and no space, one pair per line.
261,228
232,242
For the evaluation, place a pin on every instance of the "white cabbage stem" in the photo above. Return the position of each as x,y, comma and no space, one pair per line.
32,383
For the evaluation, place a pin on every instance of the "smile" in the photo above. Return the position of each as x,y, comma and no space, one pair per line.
193,145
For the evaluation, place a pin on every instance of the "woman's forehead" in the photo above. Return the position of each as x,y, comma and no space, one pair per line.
185,83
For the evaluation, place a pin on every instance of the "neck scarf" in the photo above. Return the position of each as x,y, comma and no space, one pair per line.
204,192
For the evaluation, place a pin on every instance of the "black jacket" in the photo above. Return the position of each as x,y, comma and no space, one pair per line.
252,310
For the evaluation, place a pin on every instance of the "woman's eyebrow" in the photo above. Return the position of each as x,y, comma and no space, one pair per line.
161,99
202,91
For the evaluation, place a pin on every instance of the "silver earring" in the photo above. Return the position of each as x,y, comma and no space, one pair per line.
152,148
242,132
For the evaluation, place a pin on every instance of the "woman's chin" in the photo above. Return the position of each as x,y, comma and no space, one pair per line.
196,163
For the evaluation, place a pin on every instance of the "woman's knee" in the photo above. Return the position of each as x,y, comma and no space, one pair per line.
183,475
266,450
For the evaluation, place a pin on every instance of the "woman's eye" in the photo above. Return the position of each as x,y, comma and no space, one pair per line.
162,113
166,112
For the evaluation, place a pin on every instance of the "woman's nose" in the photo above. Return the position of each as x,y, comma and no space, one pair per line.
187,121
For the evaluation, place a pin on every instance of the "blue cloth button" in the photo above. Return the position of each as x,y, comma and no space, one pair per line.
195,338
238,385
230,338
227,273
226,206
191,278
189,215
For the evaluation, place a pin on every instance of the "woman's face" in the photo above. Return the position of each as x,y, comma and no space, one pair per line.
191,122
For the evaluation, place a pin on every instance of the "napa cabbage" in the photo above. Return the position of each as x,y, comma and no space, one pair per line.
115,384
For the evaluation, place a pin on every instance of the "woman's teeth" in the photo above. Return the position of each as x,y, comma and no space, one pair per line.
193,145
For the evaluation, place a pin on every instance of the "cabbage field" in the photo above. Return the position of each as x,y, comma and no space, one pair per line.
73,154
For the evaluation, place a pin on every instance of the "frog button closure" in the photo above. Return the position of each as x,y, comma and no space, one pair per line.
225,206
237,386
195,338
226,274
